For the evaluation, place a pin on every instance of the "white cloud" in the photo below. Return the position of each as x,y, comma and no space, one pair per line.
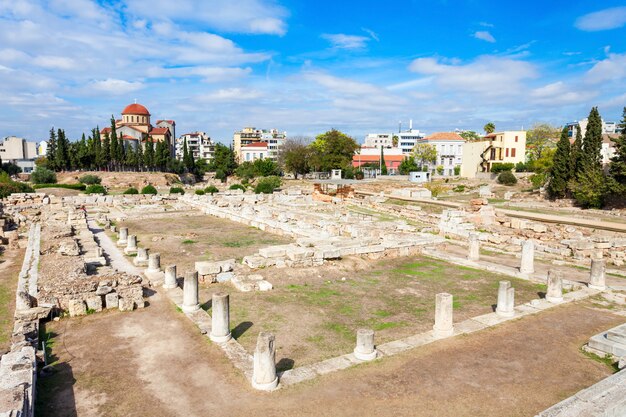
612,18
230,95
559,93
55,62
242,16
343,41
116,87
486,24
484,35
613,68
372,34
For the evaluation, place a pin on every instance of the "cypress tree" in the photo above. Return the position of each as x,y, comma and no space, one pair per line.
560,172
52,150
105,151
140,157
617,171
113,146
131,158
188,160
121,153
590,186
576,153
99,158
61,156
383,165
149,154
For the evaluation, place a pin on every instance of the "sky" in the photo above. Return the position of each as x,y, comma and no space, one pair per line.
308,66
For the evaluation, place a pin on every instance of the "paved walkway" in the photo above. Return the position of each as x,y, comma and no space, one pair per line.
115,257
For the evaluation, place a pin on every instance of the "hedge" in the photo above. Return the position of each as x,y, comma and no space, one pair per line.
149,189
79,187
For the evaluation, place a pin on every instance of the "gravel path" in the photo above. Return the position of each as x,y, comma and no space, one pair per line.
115,255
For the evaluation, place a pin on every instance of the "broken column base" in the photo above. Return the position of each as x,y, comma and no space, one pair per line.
220,339
270,386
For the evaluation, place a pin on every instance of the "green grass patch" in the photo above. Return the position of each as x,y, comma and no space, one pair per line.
189,242
606,359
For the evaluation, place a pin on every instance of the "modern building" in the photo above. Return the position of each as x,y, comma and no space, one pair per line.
42,148
403,139
502,147
198,143
255,150
607,127
608,147
449,147
19,152
251,135
369,157
134,128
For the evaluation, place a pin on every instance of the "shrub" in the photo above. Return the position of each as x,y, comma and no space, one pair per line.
435,188
457,170
79,187
459,188
149,189
95,189
237,187
11,169
538,180
43,176
348,173
131,190
8,186
267,185
358,174
211,189
177,190
440,169
507,178
521,167
199,192
90,179
499,167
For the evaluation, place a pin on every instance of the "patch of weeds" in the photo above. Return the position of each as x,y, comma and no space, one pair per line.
387,325
90,311
189,242
239,243
456,304
341,329
419,311
346,310
606,359
382,313
132,255
180,310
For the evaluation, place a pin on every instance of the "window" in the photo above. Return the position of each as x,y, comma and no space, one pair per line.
507,152
513,152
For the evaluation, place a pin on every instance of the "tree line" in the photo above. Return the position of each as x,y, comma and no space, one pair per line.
577,169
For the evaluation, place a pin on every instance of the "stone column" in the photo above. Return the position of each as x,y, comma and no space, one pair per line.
443,316
220,318
154,262
474,247
170,277
527,265
598,276
506,300
190,292
555,287
113,228
123,236
365,350
264,374
142,257
131,246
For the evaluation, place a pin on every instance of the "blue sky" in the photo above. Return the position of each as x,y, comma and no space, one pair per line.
306,67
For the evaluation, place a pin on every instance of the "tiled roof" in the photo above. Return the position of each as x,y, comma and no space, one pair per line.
376,158
159,131
444,136
172,122
256,145
136,109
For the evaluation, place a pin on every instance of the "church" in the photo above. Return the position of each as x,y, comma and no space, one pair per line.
135,128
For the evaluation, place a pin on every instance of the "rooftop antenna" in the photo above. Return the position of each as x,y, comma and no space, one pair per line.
400,126
411,124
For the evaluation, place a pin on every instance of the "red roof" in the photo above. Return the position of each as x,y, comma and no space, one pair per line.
376,158
444,136
256,145
172,122
136,109
159,131
128,137
106,130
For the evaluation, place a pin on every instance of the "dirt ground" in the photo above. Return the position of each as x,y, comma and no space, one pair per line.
10,265
315,312
199,238
154,362
122,180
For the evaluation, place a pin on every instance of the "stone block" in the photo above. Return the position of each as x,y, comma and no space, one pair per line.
77,308
264,285
126,304
208,268
94,302
273,252
111,300
224,276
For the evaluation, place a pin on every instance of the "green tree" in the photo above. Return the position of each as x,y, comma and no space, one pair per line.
105,151
114,149
188,160
148,156
140,156
576,154
617,170
294,156
131,158
560,173
469,135
489,128
540,137
61,156
332,150
590,185
223,163
407,165
424,153
383,165
52,150
394,141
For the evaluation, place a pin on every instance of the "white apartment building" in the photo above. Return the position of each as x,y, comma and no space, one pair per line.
253,151
449,146
251,135
608,128
404,139
19,152
198,143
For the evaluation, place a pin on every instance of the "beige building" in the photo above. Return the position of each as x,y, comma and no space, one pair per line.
251,135
19,152
502,147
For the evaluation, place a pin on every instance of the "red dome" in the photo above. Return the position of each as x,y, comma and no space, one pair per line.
136,109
